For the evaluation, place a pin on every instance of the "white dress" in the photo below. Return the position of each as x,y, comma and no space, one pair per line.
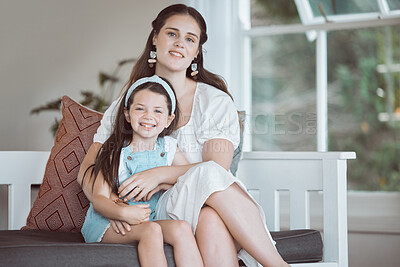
213,116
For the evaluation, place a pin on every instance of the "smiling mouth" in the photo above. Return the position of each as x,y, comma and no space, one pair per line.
176,54
146,125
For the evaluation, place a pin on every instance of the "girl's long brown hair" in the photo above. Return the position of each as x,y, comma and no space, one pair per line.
142,69
108,157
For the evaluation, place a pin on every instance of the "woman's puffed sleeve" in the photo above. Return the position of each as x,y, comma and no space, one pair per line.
218,119
106,124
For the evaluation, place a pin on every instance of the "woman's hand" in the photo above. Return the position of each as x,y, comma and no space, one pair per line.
155,190
143,185
140,184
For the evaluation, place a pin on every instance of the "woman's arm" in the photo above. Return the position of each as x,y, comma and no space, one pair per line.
142,183
89,159
220,151
179,158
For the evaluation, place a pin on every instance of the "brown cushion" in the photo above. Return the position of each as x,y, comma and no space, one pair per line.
61,204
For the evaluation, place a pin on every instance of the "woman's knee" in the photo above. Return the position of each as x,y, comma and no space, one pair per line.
209,222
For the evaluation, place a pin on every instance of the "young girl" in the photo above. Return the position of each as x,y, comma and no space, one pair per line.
138,142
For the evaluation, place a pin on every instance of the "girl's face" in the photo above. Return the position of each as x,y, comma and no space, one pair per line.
148,114
177,43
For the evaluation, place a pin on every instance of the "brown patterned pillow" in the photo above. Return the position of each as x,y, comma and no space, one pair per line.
61,204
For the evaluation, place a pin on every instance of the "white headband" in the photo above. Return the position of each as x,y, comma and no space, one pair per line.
152,79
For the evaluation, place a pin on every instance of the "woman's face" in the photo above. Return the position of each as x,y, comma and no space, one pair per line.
177,43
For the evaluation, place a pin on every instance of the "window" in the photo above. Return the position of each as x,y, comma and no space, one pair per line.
359,42
266,13
364,103
284,100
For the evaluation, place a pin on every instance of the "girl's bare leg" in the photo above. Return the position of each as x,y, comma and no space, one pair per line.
243,220
179,235
216,244
151,243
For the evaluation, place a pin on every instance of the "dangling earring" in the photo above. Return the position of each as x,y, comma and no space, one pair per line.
194,69
152,60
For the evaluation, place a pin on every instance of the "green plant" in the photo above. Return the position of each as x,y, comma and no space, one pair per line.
96,101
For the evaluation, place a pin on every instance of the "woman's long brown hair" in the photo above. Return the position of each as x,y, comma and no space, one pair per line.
108,157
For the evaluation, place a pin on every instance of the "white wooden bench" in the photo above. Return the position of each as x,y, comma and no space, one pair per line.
264,174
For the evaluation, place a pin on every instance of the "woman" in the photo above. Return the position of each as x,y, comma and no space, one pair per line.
223,216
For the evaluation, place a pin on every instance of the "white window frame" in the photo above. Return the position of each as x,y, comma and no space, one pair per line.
315,28
307,17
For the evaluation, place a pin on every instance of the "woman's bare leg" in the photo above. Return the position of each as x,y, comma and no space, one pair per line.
216,244
151,243
241,216
179,235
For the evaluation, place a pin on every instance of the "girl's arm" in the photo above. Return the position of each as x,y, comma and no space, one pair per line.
102,201
103,204
118,226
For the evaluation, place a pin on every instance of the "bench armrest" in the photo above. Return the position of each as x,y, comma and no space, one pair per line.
19,170
267,173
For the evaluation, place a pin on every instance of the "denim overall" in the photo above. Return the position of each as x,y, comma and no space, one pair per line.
95,224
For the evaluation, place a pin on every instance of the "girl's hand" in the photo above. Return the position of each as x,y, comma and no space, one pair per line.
158,188
137,214
140,184
120,227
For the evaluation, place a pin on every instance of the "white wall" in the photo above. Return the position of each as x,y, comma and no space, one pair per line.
50,48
